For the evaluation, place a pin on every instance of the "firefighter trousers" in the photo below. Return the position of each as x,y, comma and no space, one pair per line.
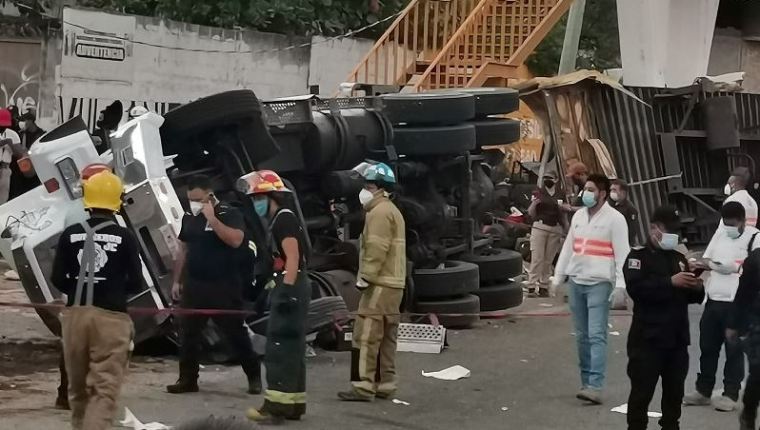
96,345
375,335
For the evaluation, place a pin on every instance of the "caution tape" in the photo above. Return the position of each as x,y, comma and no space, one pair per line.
179,311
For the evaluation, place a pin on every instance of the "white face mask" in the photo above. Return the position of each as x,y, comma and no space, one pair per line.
732,231
196,208
727,190
365,196
22,125
615,196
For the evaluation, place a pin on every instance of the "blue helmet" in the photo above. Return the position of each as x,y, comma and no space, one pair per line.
376,172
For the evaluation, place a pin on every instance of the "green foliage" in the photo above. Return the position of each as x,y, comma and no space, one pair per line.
299,17
599,45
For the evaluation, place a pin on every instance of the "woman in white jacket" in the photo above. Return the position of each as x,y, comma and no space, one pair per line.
592,258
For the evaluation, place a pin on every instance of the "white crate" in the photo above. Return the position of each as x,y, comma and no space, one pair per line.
422,338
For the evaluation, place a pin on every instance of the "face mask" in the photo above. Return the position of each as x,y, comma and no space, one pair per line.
261,207
589,199
727,190
365,196
669,241
548,183
195,208
732,232
615,196
22,125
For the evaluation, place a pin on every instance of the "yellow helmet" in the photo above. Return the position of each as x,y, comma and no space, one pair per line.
103,191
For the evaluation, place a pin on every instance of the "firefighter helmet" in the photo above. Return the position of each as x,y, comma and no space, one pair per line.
103,191
261,182
94,168
6,118
376,172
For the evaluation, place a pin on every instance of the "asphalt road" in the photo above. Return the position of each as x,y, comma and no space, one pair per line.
524,376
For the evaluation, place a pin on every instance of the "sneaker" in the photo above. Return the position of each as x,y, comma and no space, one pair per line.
11,275
696,399
724,404
353,396
590,395
182,387
383,396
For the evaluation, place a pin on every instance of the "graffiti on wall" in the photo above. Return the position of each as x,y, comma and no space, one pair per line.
90,109
20,74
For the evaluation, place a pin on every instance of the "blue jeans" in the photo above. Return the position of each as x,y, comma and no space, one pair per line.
591,309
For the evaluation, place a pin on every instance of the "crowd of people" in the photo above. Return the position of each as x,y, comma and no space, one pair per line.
600,259
18,132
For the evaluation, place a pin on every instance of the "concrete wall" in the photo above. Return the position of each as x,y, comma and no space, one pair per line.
731,52
20,73
159,63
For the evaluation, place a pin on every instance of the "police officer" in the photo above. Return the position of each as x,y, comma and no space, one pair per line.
619,200
289,298
658,280
381,278
97,265
212,247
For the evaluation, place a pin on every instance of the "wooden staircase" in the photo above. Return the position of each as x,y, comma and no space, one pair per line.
437,44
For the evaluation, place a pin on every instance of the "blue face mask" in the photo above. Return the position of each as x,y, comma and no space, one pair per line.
261,207
589,199
732,232
669,241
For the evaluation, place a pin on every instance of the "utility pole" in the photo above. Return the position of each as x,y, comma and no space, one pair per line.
572,37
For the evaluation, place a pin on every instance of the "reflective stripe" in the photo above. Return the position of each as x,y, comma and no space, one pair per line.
593,248
285,398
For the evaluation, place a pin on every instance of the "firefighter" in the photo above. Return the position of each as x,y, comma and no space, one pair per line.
207,275
659,282
381,278
289,296
97,265
75,215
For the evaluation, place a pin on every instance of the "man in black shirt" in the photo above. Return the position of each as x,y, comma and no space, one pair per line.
549,225
658,281
212,240
22,182
97,266
619,201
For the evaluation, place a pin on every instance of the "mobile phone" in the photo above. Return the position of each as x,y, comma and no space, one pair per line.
698,271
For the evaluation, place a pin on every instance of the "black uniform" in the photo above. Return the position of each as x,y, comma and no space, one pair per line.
746,320
659,337
213,281
631,215
20,184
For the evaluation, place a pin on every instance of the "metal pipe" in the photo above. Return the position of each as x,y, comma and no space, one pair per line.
572,37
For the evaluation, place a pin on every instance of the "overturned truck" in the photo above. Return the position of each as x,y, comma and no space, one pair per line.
434,141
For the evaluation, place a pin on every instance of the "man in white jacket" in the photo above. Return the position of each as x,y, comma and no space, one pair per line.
724,257
592,258
736,190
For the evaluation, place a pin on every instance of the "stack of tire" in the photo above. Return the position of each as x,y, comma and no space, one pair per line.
449,124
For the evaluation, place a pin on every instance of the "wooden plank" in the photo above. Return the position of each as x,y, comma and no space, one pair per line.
425,31
436,25
539,32
416,28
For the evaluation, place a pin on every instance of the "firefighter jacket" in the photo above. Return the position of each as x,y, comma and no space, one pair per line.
595,248
660,310
383,244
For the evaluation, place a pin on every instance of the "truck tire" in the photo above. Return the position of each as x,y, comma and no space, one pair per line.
492,101
500,297
429,108
456,278
450,140
237,109
496,131
465,309
497,264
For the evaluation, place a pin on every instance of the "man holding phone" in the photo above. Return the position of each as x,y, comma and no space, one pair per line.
207,275
658,281
8,138
732,242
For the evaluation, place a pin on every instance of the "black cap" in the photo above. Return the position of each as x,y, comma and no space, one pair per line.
667,216
30,115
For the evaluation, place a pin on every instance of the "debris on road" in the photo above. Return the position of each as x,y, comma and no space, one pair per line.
400,402
130,421
504,409
615,333
623,409
453,373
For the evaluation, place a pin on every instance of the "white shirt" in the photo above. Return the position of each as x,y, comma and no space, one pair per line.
723,280
595,249
6,153
750,206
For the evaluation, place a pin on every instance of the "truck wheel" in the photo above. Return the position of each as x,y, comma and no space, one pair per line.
430,108
465,309
454,279
239,110
492,101
456,139
497,264
500,297
496,131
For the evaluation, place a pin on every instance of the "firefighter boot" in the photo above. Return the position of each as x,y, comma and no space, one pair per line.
183,386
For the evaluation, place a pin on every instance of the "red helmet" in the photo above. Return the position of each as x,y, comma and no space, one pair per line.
263,181
92,169
6,119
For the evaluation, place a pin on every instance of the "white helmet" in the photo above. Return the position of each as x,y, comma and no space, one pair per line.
137,111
